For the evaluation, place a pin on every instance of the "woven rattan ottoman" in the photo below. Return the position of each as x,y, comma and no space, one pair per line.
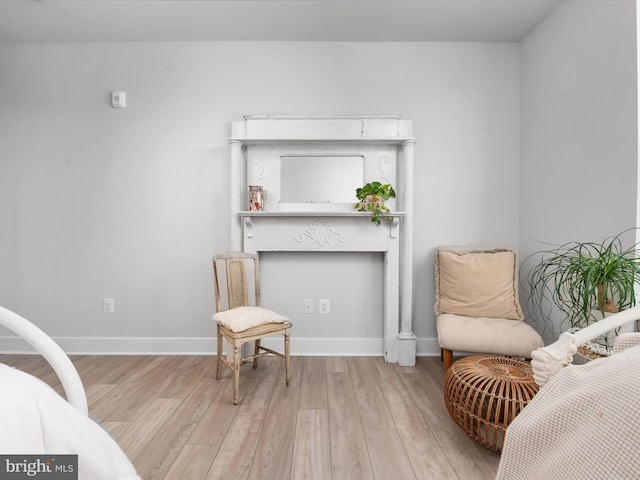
484,394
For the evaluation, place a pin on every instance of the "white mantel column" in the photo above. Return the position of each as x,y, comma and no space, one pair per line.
237,169
406,337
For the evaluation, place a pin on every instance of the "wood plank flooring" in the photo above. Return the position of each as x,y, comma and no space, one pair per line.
340,418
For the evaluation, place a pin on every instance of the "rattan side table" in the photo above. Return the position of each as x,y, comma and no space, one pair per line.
484,393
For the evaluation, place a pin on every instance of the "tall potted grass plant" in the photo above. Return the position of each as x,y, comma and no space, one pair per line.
585,281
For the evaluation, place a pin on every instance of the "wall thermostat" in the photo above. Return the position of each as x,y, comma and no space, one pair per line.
118,99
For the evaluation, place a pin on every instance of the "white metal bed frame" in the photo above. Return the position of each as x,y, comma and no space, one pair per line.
546,361
51,351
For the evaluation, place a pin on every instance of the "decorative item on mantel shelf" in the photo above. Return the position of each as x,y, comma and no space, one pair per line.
256,198
372,196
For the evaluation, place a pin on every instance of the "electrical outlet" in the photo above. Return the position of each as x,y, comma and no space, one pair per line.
324,306
308,306
108,305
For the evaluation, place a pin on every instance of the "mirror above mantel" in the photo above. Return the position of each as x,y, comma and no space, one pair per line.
320,178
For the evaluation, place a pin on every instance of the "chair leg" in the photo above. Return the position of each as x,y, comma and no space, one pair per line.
447,356
287,361
219,355
256,351
236,372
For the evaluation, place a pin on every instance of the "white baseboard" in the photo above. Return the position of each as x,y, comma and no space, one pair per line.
427,347
207,346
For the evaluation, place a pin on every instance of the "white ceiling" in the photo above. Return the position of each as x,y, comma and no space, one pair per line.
31,21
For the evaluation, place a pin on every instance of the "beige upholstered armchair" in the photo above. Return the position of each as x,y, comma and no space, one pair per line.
476,304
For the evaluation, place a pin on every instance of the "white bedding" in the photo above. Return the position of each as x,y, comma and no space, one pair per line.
583,424
34,420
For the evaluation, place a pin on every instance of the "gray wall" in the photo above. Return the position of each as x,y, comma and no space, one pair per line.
579,126
99,202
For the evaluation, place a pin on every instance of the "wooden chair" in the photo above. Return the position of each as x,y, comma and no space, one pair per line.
240,317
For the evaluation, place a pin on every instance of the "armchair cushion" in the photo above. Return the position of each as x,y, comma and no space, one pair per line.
477,283
242,318
487,335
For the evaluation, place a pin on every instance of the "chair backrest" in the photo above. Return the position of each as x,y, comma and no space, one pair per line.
236,280
477,282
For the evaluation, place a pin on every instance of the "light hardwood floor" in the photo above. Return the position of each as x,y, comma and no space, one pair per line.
340,418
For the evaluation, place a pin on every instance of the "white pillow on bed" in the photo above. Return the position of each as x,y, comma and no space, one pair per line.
241,318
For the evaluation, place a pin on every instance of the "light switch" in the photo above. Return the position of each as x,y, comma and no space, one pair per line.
118,99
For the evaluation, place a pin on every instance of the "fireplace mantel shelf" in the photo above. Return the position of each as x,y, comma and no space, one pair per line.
320,213
313,140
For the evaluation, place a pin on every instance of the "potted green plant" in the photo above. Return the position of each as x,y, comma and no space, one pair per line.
585,281
371,198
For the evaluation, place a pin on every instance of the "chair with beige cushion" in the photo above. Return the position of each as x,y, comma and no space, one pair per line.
476,304
240,318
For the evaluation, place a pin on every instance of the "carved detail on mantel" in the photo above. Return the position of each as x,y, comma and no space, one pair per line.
321,233
258,165
395,227
384,164
248,227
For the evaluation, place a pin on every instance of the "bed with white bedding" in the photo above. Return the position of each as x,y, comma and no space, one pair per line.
36,420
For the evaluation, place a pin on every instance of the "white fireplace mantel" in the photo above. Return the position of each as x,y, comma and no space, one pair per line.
385,145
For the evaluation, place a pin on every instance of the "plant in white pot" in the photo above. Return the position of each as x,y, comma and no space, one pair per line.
585,281
371,198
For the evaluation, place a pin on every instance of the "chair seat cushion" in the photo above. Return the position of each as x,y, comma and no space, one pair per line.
487,335
242,318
